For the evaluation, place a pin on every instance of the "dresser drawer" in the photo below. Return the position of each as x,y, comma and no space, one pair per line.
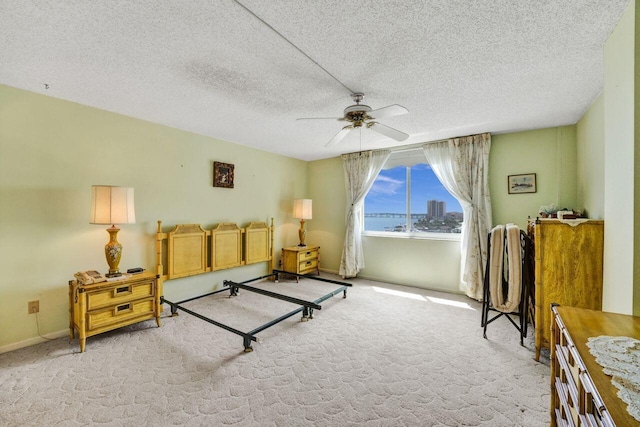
596,413
566,387
120,314
119,294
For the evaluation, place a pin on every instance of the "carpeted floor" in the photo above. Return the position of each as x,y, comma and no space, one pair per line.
386,355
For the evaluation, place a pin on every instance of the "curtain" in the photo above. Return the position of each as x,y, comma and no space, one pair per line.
360,171
462,165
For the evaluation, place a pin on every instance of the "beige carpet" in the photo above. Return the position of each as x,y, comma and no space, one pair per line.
385,356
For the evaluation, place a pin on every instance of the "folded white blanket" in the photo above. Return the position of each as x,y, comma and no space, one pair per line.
514,271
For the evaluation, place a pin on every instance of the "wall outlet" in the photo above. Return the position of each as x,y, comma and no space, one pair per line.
34,307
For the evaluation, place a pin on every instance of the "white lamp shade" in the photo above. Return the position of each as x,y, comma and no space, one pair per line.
302,209
112,205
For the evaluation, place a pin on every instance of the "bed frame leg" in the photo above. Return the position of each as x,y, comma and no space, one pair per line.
174,310
344,293
247,344
233,291
305,314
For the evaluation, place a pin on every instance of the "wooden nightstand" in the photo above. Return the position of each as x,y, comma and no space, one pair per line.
301,259
104,306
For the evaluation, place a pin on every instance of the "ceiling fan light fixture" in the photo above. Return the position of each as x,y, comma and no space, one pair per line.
360,115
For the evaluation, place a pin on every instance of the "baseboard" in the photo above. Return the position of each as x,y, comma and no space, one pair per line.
385,280
33,341
428,288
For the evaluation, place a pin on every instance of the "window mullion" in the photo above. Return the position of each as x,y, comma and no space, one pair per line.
408,221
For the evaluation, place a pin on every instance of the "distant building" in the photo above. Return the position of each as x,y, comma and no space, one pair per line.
436,209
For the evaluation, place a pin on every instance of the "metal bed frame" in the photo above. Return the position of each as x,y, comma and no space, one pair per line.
306,307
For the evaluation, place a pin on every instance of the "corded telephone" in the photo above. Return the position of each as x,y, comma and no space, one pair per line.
89,276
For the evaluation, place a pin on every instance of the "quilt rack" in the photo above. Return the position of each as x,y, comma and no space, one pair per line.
524,257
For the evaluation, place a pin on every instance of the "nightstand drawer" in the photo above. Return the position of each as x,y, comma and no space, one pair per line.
119,314
304,256
307,266
119,294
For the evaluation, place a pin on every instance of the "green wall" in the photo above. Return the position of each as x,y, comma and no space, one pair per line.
327,228
435,264
52,151
550,154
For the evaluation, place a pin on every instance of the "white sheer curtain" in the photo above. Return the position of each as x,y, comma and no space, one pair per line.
462,165
360,171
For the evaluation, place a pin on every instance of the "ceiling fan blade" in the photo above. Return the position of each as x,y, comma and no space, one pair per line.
388,111
387,131
320,118
343,132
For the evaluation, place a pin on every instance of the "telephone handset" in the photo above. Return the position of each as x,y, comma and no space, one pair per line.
89,276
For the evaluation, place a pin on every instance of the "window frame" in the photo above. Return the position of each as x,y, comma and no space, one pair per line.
408,234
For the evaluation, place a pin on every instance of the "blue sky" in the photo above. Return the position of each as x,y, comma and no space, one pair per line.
388,193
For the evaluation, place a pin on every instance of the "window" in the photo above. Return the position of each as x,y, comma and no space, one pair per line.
407,198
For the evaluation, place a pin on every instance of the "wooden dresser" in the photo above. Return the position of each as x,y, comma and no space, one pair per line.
301,259
104,306
568,269
581,393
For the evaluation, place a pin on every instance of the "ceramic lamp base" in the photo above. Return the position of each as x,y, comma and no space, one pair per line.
302,233
113,252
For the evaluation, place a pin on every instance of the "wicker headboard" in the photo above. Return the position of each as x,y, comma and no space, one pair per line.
188,249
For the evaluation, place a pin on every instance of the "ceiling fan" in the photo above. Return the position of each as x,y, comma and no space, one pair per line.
362,115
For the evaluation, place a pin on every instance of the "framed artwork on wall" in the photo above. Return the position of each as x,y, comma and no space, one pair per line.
222,175
524,183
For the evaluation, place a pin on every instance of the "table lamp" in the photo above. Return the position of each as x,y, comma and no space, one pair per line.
302,211
112,205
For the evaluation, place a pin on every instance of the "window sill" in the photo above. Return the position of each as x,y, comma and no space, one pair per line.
455,237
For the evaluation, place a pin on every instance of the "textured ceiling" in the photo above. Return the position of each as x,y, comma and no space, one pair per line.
211,67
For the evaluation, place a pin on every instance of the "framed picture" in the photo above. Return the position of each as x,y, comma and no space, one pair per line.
525,183
222,175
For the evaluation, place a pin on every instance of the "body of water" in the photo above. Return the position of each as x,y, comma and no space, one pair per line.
383,224
398,224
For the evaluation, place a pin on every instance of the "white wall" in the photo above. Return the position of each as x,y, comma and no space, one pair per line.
590,156
619,168
52,151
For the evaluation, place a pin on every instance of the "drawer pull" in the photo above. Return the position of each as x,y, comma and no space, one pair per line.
308,262
308,253
123,289
123,307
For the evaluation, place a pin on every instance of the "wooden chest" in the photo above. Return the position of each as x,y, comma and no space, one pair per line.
568,269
